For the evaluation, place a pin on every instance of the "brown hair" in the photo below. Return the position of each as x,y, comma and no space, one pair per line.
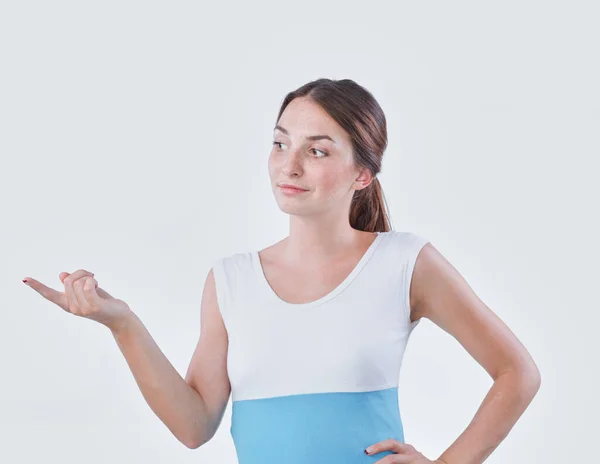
355,109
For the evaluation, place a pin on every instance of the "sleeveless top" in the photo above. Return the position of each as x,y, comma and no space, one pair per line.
317,382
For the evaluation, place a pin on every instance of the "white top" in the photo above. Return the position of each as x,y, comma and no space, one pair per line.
350,341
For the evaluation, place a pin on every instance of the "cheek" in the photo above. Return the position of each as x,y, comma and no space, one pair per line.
331,181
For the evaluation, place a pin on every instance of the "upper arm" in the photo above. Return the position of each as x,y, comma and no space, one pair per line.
207,372
441,294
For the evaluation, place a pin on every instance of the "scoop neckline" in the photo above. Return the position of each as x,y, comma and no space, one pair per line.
264,283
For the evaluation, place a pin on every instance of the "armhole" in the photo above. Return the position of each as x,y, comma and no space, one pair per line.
220,287
414,245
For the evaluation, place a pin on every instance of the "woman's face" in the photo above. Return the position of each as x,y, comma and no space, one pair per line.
322,164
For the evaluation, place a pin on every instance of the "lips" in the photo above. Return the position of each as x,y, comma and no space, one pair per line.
293,187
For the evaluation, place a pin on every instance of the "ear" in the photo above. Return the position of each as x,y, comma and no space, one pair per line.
364,179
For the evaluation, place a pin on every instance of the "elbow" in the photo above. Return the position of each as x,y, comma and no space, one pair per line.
524,380
527,376
529,381
536,381
197,440
193,439
200,432
194,444
532,377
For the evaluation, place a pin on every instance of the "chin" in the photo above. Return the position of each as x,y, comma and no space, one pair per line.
289,207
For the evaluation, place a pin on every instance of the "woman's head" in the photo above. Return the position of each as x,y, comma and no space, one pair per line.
339,172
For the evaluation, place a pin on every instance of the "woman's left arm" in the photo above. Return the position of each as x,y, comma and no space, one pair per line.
441,294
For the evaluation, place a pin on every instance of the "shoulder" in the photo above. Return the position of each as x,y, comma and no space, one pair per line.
231,263
228,272
434,280
408,244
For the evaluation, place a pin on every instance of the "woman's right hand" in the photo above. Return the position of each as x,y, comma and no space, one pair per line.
82,297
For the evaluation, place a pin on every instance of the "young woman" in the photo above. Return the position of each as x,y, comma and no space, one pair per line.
309,333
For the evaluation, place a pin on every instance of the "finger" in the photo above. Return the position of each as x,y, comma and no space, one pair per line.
50,294
389,444
73,304
78,292
78,273
90,290
100,292
85,292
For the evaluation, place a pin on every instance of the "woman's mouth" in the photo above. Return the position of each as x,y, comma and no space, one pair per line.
291,190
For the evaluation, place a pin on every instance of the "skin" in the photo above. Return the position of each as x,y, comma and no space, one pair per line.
319,224
322,248
320,251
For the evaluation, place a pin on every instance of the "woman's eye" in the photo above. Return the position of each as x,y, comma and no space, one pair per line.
323,155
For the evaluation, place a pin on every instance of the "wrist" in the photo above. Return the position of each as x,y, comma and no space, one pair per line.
123,324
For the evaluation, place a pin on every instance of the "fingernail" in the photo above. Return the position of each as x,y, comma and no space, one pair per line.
369,449
25,280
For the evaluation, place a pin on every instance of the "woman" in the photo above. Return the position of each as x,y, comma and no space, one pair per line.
309,333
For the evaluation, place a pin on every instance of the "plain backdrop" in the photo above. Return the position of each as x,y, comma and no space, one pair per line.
134,139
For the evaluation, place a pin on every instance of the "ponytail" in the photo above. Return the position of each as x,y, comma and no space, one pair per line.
368,209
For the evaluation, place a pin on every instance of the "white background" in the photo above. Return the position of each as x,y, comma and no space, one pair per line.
134,139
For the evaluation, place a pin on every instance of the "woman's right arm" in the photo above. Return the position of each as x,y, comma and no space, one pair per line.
191,408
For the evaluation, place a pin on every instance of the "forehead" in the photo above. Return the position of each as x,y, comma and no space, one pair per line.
303,118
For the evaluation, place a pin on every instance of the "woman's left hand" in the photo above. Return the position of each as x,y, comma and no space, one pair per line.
406,454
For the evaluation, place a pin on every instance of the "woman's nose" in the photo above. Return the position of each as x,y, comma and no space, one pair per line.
292,163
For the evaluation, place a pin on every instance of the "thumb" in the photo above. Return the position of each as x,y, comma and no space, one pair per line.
63,275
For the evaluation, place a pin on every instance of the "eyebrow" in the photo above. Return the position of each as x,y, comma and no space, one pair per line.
310,137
